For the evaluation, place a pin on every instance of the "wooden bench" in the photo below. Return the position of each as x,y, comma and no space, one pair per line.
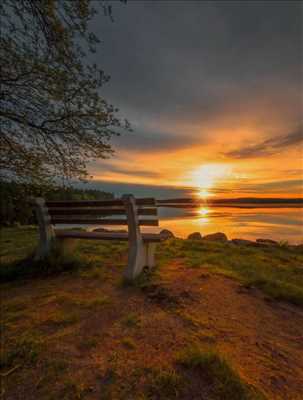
141,247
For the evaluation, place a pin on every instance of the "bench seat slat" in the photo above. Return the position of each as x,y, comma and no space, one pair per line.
98,203
85,221
98,211
147,237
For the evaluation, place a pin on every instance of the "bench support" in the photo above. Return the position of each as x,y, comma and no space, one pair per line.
138,253
150,249
46,231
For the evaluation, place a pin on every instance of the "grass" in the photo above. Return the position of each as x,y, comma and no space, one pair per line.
63,318
164,384
226,383
277,271
128,343
22,350
17,246
131,320
93,302
72,389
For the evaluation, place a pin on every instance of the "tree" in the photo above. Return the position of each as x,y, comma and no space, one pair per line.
53,118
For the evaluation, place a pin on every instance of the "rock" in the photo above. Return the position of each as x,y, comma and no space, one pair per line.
216,237
267,242
166,234
243,242
108,230
195,236
100,230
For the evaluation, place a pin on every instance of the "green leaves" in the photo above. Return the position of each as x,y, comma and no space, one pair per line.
53,118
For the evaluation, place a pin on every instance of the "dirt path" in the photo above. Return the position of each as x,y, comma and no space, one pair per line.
139,329
262,338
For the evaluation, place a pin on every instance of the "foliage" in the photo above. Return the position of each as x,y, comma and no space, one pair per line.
53,118
15,206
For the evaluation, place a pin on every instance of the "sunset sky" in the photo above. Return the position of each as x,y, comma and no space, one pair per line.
213,91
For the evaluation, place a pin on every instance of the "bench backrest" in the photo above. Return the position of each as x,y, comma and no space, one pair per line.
101,212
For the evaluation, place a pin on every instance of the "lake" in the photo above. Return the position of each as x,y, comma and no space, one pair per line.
278,223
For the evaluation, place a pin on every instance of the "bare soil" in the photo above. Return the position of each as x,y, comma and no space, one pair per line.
108,350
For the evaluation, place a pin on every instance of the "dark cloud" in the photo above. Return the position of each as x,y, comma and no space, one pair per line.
141,139
269,146
200,60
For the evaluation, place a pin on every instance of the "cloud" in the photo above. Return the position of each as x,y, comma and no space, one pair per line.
272,187
146,140
127,170
196,76
188,60
268,147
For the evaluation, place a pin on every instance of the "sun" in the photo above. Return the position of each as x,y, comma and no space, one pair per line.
207,176
203,211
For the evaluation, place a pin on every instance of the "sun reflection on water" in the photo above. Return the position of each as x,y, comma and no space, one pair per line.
203,214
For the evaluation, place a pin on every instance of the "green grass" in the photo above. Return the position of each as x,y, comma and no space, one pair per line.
226,383
18,244
277,271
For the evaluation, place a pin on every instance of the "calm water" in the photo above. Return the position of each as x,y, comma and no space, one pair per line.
282,224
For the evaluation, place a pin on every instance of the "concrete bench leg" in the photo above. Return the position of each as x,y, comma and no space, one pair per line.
136,249
46,232
150,249
136,261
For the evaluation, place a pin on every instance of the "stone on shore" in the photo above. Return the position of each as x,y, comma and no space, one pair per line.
195,236
108,230
267,242
167,234
216,237
243,242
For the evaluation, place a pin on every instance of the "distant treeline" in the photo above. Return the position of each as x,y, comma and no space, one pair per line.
256,200
15,206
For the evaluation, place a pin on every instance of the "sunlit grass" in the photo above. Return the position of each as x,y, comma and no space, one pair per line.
277,271
226,383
